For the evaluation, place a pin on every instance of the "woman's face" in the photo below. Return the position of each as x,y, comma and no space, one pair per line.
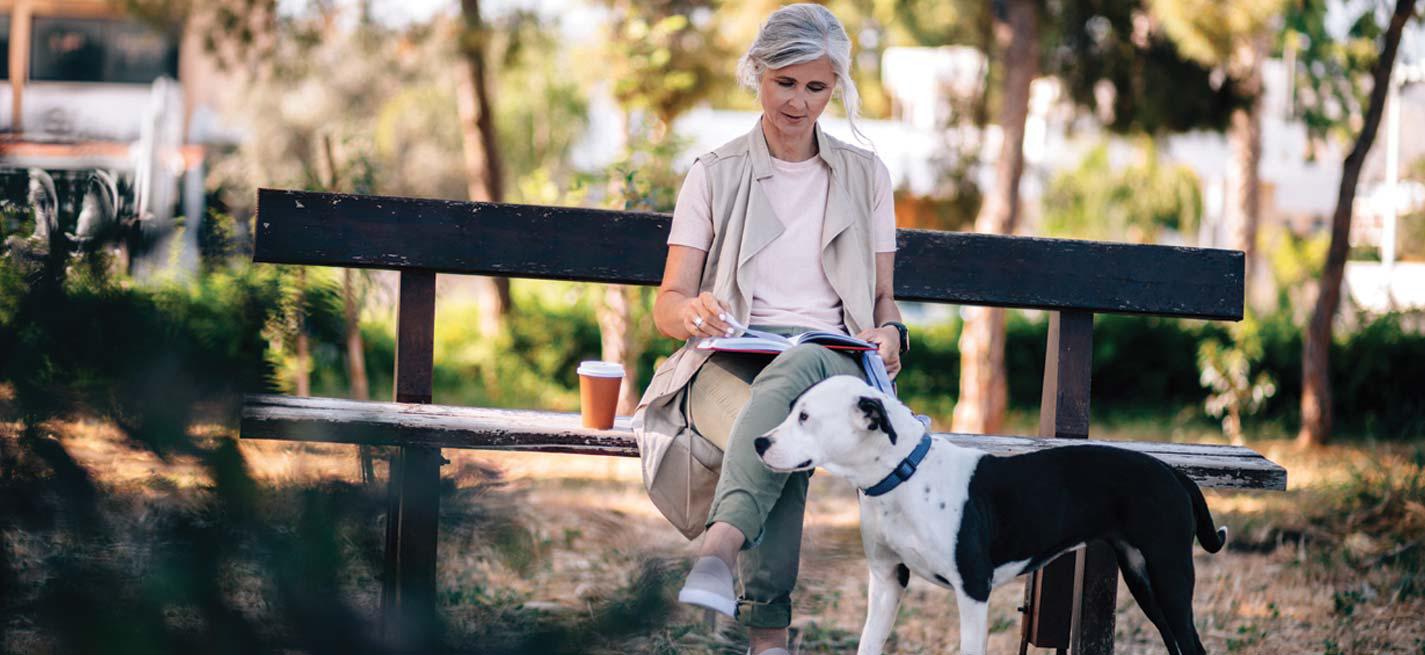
794,96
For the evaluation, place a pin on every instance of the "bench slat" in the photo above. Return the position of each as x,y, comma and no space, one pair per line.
335,420
593,245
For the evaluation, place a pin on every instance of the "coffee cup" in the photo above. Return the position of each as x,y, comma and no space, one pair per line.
598,392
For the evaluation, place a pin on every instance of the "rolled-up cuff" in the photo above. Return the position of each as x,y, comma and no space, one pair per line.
765,614
739,509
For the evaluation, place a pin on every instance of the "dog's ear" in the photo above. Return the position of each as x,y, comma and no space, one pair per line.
876,416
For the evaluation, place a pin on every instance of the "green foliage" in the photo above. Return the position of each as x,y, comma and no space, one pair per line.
1374,518
1332,74
1247,635
1149,365
1142,200
218,242
664,57
540,109
1156,88
1215,33
142,354
367,101
309,301
931,23
15,219
929,380
1296,260
1226,373
644,179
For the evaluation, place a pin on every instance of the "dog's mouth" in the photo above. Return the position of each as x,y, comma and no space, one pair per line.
804,466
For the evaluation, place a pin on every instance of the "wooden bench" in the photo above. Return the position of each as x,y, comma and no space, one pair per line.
1070,605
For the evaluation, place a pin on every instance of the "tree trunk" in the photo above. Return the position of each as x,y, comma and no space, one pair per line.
355,348
984,391
619,343
304,351
482,157
1245,140
356,363
351,316
1316,415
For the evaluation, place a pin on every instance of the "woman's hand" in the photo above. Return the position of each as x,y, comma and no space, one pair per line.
705,316
888,343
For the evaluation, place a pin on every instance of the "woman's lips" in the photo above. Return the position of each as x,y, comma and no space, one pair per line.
791,117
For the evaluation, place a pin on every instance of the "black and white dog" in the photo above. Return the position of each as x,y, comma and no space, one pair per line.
972,521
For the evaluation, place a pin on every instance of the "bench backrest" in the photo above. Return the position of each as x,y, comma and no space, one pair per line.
592,245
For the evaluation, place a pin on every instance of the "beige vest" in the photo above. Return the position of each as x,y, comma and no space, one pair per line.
680,468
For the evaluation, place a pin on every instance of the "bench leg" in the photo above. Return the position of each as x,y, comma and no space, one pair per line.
1098,599
408,618
1070,603
408,603
1049,609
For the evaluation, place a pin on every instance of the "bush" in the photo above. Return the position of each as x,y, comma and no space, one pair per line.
1148,365
141,354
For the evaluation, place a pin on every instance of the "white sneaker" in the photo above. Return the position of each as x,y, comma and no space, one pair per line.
710,585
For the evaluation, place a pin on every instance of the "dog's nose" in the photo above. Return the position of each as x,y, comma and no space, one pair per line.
762,444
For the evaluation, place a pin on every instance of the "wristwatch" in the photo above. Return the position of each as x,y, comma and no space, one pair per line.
905,334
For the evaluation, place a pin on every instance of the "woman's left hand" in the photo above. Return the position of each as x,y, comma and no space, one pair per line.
888,343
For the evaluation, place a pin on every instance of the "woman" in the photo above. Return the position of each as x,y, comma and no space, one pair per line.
784,229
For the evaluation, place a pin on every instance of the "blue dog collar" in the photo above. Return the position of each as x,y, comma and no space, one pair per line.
903,470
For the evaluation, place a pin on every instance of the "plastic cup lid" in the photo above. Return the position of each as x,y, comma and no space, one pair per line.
598,369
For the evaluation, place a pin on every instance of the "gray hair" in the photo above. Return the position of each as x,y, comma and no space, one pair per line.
796,34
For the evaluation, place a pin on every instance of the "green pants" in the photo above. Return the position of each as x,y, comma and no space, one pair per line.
734,399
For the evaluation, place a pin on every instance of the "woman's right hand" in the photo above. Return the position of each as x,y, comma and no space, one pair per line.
705,316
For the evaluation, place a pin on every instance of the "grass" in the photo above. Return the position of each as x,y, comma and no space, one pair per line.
555,554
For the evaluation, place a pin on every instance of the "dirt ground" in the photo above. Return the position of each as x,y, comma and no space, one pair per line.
576,527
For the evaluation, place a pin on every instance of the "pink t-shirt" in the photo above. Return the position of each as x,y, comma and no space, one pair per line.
790,286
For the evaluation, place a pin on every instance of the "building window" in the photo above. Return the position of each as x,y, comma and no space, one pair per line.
83,50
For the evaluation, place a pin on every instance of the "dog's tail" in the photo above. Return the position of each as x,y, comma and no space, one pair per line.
1209,535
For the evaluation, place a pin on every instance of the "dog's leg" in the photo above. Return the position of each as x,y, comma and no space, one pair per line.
1135,575
888,581
974,624
1171,572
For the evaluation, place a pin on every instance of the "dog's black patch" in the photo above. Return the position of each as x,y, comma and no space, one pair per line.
876,416
942,579
1005,517
803,464
902,575
972,552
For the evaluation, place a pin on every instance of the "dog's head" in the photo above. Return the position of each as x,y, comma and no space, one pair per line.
843,425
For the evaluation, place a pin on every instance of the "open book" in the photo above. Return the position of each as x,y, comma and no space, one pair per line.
758,341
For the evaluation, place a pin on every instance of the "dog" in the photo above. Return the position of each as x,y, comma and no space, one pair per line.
963,519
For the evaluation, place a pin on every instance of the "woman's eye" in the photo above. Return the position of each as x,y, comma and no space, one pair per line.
817,89
786,83
802,418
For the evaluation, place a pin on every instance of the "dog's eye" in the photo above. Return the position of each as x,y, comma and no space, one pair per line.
802,418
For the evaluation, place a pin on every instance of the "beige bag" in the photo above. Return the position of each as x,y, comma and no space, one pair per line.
683,484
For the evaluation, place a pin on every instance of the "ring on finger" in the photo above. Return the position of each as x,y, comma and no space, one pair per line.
697,321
